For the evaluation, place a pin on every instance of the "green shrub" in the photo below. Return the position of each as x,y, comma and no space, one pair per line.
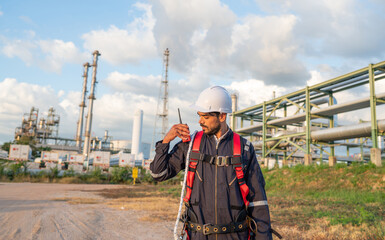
121,174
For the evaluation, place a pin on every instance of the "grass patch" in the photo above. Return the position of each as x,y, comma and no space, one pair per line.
348,198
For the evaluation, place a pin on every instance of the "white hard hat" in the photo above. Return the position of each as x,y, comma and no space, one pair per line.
213,99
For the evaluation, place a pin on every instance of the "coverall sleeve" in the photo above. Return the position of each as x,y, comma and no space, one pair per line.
167,165
258,207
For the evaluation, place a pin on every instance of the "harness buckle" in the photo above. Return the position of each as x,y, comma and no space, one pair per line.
206,228
221,161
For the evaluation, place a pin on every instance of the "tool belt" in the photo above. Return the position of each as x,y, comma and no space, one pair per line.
209,228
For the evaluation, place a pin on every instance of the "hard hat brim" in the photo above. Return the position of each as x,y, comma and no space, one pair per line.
205,110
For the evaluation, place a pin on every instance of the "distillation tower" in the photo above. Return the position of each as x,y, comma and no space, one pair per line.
82,105
87,134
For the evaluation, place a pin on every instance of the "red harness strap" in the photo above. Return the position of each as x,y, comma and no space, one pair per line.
192,166
237,167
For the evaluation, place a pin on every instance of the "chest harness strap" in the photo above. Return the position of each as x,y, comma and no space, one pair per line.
235,161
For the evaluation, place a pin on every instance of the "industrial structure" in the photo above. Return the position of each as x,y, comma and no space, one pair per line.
92,150
42,130
87,133
300,122
82,105
162,113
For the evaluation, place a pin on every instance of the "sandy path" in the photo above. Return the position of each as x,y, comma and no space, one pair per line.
30,211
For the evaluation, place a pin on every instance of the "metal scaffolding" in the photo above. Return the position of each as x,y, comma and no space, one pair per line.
304,106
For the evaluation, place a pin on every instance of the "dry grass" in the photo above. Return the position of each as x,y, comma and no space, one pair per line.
155,201
78,200
157,204
332,203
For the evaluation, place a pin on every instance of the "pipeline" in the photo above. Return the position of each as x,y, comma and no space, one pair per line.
330,134
346,132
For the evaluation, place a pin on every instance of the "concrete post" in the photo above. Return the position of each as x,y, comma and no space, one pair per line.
332,161
308,159
284,160
266,162
375,156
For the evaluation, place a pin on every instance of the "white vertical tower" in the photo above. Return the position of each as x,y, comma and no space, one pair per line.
87,134
137,133
234,108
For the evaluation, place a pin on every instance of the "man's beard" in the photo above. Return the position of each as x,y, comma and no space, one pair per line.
212,131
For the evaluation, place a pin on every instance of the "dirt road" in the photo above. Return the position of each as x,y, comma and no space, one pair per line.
39,211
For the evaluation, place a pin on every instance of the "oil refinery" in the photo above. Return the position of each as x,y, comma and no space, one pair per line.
298,128
80,153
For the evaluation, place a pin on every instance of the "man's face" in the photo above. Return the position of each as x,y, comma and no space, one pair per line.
209,122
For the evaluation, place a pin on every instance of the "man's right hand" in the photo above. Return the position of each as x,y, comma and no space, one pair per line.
178,130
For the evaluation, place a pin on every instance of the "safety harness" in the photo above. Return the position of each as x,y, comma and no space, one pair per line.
236,162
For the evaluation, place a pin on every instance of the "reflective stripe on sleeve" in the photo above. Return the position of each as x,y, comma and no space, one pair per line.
258,203
154,175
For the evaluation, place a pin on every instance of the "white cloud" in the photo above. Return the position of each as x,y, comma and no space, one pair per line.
58,53
347,28
252,92
141,85
207,38
266,47
50,55
130,45
22,49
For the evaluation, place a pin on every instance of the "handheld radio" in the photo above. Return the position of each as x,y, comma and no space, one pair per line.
180,121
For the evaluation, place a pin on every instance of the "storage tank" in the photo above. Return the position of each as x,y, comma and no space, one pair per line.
118,145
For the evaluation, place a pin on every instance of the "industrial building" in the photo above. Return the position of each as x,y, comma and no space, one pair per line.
301,126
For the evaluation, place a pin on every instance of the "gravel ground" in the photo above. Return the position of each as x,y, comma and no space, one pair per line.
38,211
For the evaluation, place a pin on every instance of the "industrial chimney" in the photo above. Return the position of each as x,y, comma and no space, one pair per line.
82,106
87,134
137,133
234,108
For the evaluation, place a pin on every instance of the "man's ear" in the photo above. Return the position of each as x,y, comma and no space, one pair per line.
222,117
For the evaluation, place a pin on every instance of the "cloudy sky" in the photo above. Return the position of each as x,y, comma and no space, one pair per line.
252,47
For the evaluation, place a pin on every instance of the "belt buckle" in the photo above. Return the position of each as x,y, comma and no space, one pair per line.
206,228
221,161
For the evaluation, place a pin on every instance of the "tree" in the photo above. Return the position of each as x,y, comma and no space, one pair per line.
6,146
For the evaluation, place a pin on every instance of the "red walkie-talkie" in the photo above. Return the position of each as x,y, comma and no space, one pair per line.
188,139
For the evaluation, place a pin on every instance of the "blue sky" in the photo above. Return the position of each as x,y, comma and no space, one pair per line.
250,47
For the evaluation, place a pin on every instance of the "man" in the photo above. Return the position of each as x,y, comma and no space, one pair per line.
217,207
